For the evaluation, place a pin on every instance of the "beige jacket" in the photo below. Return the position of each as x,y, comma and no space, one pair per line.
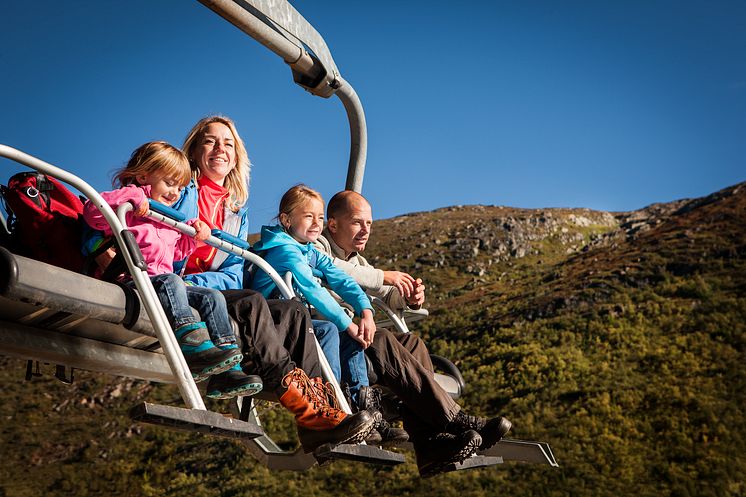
368,277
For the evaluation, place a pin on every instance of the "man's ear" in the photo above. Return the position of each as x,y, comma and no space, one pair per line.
331,224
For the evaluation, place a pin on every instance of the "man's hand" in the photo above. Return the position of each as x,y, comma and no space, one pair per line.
367,327
403,282
203,231
417,298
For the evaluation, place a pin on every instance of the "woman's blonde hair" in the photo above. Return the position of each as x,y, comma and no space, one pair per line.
237,181
295,197
155,157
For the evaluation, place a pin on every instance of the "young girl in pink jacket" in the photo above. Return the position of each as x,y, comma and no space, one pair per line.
160,171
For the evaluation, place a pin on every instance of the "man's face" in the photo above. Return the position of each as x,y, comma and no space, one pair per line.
351,229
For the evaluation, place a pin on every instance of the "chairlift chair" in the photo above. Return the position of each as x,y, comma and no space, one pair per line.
54,315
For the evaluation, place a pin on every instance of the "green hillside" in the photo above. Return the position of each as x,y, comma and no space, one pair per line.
617,338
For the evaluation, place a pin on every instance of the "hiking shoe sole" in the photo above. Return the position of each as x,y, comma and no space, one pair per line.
470,445
224,365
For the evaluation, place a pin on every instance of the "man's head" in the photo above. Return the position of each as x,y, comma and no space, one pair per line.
349,219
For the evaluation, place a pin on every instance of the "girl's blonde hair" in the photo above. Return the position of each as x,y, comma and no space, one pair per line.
295,197
155,157
237,181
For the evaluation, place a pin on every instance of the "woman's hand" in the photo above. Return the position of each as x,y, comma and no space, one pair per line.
104,259
202,231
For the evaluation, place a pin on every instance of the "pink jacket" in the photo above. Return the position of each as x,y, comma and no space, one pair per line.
160,244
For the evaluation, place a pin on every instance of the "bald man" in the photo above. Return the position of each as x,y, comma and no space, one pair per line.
441,433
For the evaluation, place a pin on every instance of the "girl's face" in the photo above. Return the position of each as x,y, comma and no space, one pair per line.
305,222
216,155
163,189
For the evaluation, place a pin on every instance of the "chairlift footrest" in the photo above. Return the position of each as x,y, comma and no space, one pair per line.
361,453
207,422
528,451
476,462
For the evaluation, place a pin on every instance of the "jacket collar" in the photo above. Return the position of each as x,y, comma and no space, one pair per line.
337,251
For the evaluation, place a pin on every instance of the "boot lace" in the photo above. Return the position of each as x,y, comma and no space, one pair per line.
468,422
316,392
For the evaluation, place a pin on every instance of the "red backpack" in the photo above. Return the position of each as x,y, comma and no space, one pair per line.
45,220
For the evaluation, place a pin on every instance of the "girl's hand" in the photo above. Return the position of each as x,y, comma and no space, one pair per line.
143,208
367,327
203,231
354,331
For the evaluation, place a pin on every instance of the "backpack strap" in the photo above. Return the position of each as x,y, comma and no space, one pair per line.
44,186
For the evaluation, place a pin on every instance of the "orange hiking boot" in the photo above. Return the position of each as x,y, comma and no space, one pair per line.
318,422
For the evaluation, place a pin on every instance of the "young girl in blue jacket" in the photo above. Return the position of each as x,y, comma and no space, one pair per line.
288,247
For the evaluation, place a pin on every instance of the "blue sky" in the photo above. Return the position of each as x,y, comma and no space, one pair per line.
607,105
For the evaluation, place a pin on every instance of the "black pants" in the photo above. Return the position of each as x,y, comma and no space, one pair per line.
402,363
275,336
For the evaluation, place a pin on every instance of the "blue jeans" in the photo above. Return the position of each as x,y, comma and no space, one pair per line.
177,298
346,356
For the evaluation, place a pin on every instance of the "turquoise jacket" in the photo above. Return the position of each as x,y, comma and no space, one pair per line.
307,264
228,268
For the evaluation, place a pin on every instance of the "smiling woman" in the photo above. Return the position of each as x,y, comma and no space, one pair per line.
220,168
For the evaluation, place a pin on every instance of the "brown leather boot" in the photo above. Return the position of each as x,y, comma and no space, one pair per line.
318,422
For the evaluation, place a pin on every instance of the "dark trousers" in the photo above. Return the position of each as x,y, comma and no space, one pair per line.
402,363
275,336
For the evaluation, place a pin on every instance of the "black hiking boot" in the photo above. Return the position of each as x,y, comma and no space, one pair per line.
491,430
233,383
439,453
369,399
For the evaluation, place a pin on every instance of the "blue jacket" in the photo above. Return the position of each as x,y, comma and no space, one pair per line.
228,275
306,263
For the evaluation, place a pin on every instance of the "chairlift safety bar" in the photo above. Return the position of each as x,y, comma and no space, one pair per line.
286,290
171,350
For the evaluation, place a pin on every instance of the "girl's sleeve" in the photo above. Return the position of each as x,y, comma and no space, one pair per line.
286,258
343,284
114,198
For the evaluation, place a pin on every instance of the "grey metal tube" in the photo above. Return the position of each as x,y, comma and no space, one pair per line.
159,320
229,247
358,135
293,55
285,286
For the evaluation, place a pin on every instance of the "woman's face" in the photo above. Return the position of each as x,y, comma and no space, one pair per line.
216,155
305,222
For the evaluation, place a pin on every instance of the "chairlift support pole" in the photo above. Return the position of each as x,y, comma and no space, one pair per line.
279,27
